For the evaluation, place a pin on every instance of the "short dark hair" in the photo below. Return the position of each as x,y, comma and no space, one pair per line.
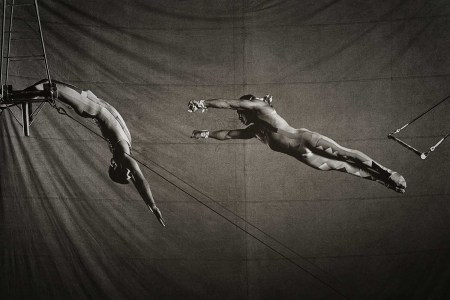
247,97
117,173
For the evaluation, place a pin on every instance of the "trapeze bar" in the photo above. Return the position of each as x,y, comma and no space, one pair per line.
423,155
24,96
17,97
391,136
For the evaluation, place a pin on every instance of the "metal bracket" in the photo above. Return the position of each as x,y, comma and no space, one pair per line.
25,98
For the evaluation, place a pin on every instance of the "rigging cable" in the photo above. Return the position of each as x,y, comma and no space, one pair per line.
423,155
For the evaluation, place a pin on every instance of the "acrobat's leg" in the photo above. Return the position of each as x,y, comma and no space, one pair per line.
326,147
329,164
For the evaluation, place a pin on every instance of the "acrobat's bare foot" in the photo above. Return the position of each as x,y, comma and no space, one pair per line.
396,182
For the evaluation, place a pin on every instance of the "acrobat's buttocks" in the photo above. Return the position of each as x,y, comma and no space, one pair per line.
311,148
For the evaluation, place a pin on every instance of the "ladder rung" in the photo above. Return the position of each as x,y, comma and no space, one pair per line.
15,31
20,4
23,59
23,39
23,56
26,58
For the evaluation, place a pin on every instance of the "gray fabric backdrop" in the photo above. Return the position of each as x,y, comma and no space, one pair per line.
353,70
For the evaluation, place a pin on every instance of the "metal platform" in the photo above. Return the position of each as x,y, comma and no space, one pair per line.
22,98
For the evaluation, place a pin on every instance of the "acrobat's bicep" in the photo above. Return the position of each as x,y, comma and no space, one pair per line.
227,134
242,104
242,134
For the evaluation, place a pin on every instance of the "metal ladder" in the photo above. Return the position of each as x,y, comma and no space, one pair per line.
10,35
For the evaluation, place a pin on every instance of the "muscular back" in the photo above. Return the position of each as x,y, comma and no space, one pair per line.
273,130
275,120
87,105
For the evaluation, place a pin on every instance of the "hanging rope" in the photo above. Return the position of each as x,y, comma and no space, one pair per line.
423,155
9,110
36,112
62,111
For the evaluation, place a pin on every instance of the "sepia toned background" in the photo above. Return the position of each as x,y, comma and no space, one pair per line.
243,222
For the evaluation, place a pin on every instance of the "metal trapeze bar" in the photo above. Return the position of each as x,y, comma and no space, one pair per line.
25,98
423,155
29,96
17,97
391,136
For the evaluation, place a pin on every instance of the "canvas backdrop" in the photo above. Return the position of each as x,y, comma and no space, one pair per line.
243,222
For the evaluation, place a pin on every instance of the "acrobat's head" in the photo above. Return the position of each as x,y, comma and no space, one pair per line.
247,97
245,116
248,117
118,174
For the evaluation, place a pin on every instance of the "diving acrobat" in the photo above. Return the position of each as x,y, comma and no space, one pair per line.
123,167
311,148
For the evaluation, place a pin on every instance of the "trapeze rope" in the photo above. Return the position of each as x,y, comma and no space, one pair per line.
425,154
36,112
420,115
9,110
62,111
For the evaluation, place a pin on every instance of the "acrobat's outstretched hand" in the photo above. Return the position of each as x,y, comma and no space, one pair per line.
200,134
195,105
158,215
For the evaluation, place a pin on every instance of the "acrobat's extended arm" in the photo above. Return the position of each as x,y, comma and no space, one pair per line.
195,105
142,186
222,135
